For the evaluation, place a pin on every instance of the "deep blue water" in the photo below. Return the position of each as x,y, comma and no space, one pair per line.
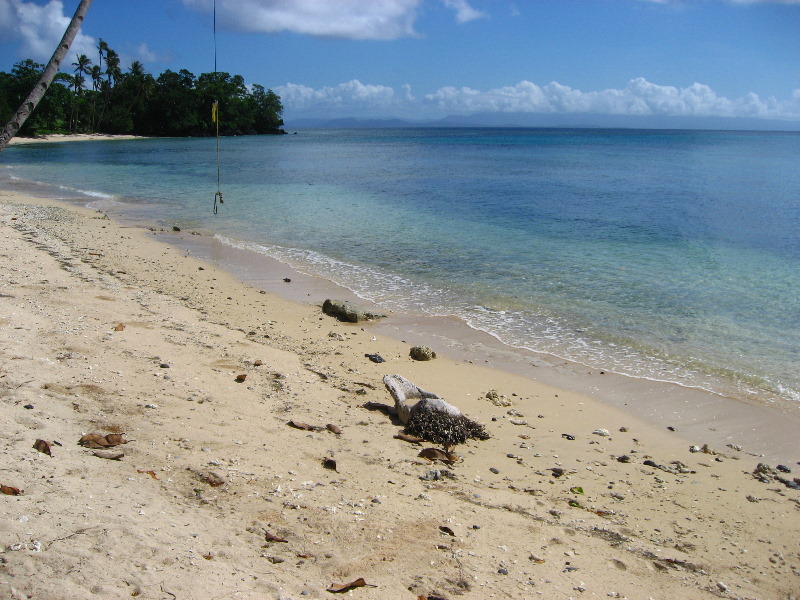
671,255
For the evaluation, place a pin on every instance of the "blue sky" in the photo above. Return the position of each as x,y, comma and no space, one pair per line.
426,59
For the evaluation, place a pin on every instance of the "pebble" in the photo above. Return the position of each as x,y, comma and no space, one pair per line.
493,470
502,571
602,432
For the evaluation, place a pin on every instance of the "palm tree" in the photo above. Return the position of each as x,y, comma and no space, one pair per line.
24,111
82,66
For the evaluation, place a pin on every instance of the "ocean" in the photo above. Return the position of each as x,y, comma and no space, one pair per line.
663,255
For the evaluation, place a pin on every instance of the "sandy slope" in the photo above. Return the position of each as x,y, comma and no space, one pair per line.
154,525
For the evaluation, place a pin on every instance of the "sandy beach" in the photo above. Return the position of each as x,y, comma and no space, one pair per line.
107,330
71,137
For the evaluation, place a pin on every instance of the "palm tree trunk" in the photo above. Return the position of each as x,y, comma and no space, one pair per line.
50,71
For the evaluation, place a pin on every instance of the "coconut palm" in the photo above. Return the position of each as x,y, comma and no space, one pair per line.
50,71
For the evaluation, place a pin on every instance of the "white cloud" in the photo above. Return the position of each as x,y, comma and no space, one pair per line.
347,19
40,28
639,97
352,94
464,12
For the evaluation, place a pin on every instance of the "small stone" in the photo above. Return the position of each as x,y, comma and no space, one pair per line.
28,406
495,471
602,432
722,587
502,571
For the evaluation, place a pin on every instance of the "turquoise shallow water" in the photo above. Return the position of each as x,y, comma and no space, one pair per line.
668,255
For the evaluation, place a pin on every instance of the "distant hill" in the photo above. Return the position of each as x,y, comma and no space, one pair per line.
587,121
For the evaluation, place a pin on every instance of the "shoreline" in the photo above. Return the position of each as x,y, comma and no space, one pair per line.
71,137
107,329
698,414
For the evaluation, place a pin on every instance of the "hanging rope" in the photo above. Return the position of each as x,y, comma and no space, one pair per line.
215,114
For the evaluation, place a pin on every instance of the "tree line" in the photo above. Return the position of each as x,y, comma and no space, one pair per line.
102,98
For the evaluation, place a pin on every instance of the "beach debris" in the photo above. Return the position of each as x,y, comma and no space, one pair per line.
42,447
258,363
108,455
120,327
329,463
783,469
210,477
497,399
405,395
408,438
602,432
422,353
436,454
151,473
437,475
303,426
99,441
338,588
557,471
10,490
567,436
333,428
446,530
287,280
624,458
441,423
241,378
274,538
348,312
376,358
623,429
536,559
576,490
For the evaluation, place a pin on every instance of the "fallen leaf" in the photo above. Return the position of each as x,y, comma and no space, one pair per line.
333,428
10,491
303,426
273,538
436,454
108,455
447,530
329,463
258,363
338,588
98,440
408,438
576,490
42,447
119,327
241,378
151,473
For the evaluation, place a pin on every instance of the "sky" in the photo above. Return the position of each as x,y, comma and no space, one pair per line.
429,59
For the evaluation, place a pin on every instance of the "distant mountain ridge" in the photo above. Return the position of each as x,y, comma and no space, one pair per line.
578,121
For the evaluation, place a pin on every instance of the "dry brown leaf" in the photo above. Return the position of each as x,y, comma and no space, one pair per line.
241,378
408,438
115,439
447,530
436,454
273,538
108,455
338,588
258,363
303,426
99,441
333,428
151,473
10,491
120,327
42,447
93,440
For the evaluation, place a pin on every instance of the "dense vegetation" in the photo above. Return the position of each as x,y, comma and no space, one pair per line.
134,102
